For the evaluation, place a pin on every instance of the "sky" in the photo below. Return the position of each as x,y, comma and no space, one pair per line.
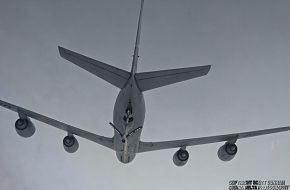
246,41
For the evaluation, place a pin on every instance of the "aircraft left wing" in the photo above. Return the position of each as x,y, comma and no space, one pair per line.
152,146
105,141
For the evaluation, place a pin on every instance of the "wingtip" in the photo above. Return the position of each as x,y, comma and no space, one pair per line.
60,50
208,66
206,69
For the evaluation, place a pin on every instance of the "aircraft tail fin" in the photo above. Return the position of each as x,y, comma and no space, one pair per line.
137,42
111,74
156,79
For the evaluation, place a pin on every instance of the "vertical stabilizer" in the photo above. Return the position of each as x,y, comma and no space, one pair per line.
136,49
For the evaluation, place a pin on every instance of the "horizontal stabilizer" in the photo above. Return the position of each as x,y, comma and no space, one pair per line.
156,79
113,75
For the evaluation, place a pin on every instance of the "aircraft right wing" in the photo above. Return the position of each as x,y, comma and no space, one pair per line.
152,146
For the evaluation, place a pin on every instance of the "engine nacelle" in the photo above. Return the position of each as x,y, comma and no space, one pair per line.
180,157
227,152
70,144
24,127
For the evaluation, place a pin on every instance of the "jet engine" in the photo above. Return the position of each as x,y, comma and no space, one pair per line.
227,152
70,144
24,127
180,157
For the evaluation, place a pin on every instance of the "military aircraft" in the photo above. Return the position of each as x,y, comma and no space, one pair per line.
129,111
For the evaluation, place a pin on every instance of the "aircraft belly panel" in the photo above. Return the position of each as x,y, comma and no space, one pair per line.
128,118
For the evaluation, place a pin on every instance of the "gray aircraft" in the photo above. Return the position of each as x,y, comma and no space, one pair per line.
129,111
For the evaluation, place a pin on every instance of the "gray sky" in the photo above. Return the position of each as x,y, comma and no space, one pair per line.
247,43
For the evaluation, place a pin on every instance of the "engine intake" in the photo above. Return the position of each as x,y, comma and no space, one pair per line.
180,157
24,127
70,144
228,151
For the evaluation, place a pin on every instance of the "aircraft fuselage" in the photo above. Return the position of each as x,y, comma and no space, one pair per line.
128,119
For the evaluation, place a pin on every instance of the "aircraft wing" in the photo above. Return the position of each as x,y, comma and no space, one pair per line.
151,146
105,141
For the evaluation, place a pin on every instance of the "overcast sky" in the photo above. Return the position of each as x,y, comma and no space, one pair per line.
247,42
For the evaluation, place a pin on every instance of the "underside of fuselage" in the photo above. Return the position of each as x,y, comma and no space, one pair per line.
128,119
